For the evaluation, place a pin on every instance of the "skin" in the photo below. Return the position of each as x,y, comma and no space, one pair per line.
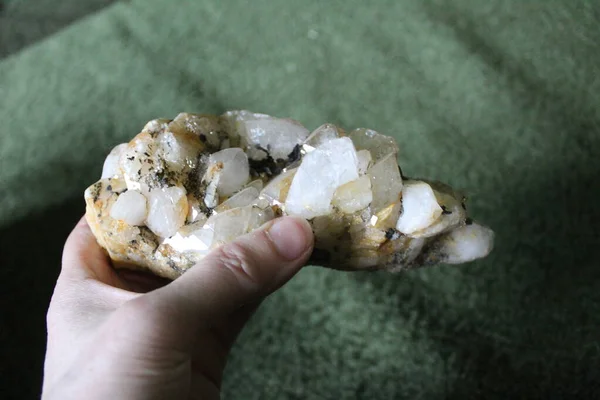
123,335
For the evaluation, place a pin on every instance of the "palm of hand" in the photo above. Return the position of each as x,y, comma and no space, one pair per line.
129,335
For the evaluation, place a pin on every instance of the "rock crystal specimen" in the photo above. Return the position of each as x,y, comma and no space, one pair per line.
183,187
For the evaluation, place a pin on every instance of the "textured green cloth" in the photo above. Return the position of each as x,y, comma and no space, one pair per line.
498,98
23,22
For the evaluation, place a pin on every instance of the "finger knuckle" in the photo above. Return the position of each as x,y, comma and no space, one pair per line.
240,261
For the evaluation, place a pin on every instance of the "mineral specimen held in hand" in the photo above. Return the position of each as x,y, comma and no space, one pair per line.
183,187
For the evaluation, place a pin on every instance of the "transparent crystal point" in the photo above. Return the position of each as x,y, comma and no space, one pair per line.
380,146
365,161
321,135
233,223
386,183
276,191
244,197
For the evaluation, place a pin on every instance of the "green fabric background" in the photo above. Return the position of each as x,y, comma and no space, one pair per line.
498,98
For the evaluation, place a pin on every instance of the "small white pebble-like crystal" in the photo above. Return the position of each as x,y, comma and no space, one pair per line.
111,167
452,215
466,243
420,208
167,211
130,207
235,171
322,171
353,196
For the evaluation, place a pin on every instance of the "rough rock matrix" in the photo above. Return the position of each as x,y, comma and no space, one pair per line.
183,187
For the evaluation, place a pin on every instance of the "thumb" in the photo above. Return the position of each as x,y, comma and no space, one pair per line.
238,273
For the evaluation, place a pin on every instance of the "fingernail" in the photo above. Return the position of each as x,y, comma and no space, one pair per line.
291,237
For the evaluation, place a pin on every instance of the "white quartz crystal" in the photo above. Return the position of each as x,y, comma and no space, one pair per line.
353,196
167,211
137,162
277,136
179,151
207,128
130,208
465,244
111,167
156,126
420,208
322,171
235,171
181,188
452,215
234,120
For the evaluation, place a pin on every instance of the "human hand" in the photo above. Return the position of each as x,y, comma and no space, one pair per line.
121,335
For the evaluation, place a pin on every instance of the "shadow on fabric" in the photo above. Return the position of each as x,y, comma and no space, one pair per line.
533,329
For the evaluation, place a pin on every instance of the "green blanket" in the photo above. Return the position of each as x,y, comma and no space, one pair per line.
499,98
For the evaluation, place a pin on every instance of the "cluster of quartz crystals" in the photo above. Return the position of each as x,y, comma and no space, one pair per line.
183,187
